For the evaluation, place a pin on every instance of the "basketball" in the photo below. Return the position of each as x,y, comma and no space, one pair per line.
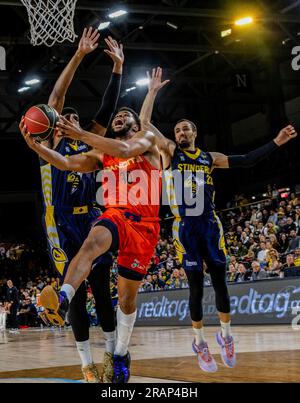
41,121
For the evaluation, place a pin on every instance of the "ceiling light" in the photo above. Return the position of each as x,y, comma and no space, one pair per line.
244,21
104,25
117,14
22,89
172,25
32,81
130,89
143,81
226,32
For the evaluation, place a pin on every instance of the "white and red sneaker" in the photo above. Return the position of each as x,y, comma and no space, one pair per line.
205,360
227,350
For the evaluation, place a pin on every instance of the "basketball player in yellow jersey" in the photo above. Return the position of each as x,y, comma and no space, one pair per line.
200,236
69,199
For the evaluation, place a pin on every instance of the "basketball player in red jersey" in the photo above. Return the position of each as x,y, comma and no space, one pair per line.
129,225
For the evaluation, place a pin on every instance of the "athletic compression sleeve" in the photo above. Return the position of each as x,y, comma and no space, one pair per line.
252,158
109,100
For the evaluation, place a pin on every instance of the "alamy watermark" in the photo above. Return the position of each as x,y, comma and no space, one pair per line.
2,58
136,187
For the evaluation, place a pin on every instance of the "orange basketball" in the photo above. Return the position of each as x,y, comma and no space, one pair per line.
40,121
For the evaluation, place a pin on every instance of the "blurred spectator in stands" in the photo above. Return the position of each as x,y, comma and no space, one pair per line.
249,257
289,268
147,284
297,219
183,277
257,272
245,239
268,244
262,254
273,263
269,229
40,283
274,242
297,257
242,273
289,226
265,216
289,212
294,241
27,314
231,274
289,262
283,242
12,298
273,218
255,216
176,281
157,283
91,309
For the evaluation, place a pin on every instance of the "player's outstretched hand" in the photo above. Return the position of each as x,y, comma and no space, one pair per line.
88,41
31,142
69,128
115,50
286,134
155,81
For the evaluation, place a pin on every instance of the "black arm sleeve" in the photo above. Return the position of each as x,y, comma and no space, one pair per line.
252,158
109,100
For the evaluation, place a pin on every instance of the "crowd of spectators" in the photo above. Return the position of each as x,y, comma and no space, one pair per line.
262,241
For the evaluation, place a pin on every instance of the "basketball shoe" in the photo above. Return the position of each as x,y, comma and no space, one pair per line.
121,368
108,368
227,350
205,360
55,304
90,373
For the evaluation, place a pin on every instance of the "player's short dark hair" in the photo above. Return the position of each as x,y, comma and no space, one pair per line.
194,127
68,110
134,114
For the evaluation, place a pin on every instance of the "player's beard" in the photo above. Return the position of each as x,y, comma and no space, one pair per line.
123,132
184,144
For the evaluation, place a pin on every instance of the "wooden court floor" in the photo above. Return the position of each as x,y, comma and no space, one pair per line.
160,354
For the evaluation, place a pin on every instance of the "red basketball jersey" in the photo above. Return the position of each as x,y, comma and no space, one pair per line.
133,184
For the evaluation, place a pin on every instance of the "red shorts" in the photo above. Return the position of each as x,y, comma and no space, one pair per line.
137,239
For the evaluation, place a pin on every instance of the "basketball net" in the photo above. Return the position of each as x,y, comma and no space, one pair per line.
51,21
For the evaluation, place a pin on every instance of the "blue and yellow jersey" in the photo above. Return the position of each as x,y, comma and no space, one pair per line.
65,188
187,165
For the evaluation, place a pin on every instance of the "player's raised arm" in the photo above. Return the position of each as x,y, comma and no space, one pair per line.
253,157
88,162
112,92
141,142
155,84
87,44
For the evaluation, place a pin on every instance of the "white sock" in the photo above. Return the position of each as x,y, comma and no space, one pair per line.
125,325
110,341
199,336
69,290
225,329
84,350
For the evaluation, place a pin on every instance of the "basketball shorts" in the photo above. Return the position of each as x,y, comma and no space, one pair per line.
197,239
66,230
135,239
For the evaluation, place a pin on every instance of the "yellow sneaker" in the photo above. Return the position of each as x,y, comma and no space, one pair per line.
56,305
108,368
90,374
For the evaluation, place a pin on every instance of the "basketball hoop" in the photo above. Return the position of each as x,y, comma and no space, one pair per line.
51,21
